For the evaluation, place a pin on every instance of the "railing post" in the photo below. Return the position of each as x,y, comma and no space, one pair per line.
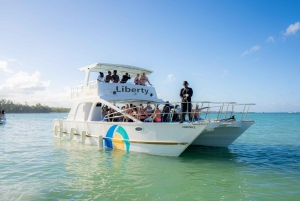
247,112
83,136
61,132
72,133
100,141
243,112
55,130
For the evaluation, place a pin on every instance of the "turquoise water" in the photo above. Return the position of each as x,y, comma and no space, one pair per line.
263,164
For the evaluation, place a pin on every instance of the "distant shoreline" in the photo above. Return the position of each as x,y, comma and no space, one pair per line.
10,107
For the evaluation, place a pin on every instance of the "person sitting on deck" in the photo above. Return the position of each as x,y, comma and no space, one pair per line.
148,109
111,115
142,113
195,113
108,77
103,114
134,112
144,79
115,77
167,112
156,116
137,79
100,77
176,113
125,78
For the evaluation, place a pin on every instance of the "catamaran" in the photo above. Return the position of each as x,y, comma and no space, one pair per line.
121,130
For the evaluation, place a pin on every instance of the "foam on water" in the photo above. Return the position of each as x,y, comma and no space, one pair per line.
263,164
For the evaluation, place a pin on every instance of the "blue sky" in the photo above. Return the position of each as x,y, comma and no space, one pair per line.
242,51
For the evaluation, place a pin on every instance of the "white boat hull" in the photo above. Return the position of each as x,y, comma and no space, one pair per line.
222,134
154,138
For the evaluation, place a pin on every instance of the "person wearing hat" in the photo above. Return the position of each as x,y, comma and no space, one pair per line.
108,77
115,77
100,77
185,94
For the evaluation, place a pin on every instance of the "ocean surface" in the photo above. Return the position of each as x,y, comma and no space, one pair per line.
263,164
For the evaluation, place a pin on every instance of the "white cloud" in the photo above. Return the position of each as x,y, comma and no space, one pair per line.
4,68
170,78
24,87
225,73
253,49
292,29
271,39
23,83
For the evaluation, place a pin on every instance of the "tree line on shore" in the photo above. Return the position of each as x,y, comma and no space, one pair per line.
10,107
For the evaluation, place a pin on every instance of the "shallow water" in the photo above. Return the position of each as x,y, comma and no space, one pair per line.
263,164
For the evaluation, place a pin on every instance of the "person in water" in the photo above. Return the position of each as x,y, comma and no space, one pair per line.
137,79
108,77
144,79
100,77
186,94
125,78
115,77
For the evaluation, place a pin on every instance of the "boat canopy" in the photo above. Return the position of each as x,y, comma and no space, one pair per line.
103,67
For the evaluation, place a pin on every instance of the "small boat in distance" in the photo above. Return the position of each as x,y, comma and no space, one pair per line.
2,117
125,129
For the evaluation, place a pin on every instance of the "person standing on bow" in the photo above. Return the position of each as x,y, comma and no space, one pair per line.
185,94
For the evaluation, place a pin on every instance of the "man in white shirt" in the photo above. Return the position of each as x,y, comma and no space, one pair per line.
100,77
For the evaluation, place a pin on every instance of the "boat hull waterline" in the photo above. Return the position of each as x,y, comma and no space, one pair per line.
153,138
222,134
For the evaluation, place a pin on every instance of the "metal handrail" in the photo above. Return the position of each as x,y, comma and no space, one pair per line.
194,115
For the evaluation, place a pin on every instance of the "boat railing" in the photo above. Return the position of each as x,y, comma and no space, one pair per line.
128,82
75,91
200,112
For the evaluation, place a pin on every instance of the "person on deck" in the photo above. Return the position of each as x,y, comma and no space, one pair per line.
137,79
100,77
104,113
108,77
115,77
144,79
125,78
156,116
186,94
142,113
166,112
148,109
176,113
